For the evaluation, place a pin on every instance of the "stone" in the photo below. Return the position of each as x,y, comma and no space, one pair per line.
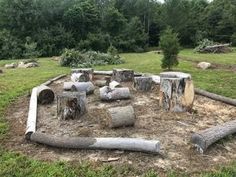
31,65
10,66
204,65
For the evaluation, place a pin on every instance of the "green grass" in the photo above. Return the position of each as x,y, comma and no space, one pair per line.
16,82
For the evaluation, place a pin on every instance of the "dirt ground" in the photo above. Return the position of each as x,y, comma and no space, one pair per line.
173,130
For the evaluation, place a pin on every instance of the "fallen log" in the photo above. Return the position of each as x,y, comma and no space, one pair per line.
143,83
54,79
205,138
45,94
79,77
87,87
67,86
71,105
220,48
215,97
123,75
121,117
109,73
108,94
114,84
32,115
128,144
100,83
88,72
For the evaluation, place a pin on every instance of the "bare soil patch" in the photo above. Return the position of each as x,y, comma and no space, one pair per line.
173,130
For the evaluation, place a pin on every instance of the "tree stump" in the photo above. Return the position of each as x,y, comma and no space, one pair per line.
67,86
88,72
121,117
108,94
87,87
123,75
176,91
71,105
143,83
79,77
45,95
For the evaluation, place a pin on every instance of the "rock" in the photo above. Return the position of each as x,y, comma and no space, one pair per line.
204,65
31,65
9,66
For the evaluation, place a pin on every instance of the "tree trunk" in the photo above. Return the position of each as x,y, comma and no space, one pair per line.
79,77
205,138
54,79
121,117
128,144
123,75
88,73
32,115
87,87
108,94
67,86
45,94
143,83
176,92
71,105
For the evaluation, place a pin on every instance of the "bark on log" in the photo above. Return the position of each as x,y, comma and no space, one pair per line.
121,117
45,94
216,97
123,75
127,144
54,79
67,86
88,73
100,83
107,79
79,77
176,92
143,83
32,115
87,87
109,73
205,138
108,94
71,105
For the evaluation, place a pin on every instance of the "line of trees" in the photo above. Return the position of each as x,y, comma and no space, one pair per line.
46,27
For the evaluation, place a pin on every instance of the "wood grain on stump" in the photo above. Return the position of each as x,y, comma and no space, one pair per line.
123,75
143,83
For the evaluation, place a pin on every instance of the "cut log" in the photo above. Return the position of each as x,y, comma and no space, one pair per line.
108,80
88,73
100,83
105,73
54,79
79,77
32,115
87,87
71,105
216,97
205,138
108,94
220,48
121,117
176,92
127,144
123,75
67,86
45,95
143,83
114,84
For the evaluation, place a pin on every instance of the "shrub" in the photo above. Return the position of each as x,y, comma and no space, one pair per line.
202,44
170,46
75,58
31,49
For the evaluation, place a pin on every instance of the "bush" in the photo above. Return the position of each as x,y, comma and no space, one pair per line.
30,49
75,58
202,44
170,46
233,39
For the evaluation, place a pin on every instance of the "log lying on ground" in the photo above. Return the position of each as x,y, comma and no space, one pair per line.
67,86
108,94
176,91
127,144
205,138
100,83
114,84
54,79
109,73
87,87
45,94
79,77
123,75
71,105
88,72
32,115
215,97
143,83
221,48
121,117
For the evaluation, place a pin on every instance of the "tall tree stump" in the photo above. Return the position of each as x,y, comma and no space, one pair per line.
143,83
79,77
121,117
88,72
71,105
108,94
87,87
45,94
123,75
176,91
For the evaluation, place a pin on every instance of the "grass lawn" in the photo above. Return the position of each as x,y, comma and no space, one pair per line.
16,82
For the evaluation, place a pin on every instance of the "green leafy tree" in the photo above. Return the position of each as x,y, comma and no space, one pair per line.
31,49
169,44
